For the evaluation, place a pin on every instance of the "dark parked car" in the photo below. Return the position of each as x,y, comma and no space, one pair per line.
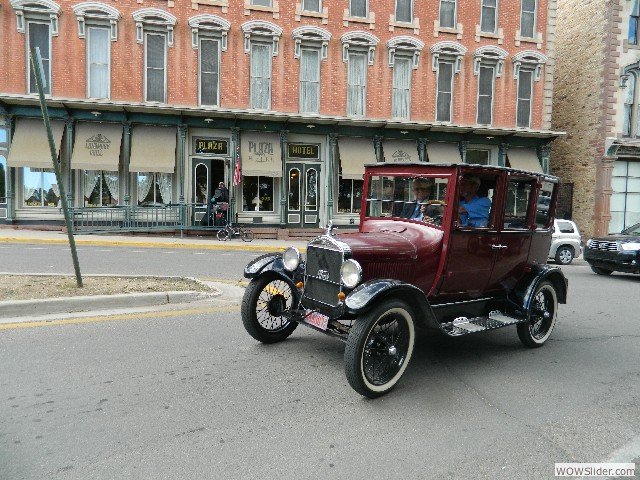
436,270
618,252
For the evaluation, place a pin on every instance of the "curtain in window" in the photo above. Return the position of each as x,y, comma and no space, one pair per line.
525,86
32,182
261,76
164,182
310,81
403,11
401,95
311,5
155,67
357,84
448,13
485,95
99,43
488,16
528,18
145,181
113,184
209,71
90,178
445,92
39,37
358,8
629,96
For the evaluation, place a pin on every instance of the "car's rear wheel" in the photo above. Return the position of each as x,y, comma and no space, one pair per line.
600,271
265,304
564,255
379,347
542,316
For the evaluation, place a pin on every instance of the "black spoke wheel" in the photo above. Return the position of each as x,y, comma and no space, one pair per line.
247,235
223,235
379,347
600,271
542,316
265,305
564,255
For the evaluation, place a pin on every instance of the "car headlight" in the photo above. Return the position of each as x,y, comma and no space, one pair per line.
351,273
630,246
291,258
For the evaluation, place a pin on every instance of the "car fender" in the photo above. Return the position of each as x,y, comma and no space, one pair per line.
265,263
522,294
365,295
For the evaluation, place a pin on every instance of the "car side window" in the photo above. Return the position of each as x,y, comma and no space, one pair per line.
544,202
516,211
565,227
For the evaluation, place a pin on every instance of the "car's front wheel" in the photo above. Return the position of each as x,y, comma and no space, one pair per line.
600,271
379,347
564,255
542,316
266,301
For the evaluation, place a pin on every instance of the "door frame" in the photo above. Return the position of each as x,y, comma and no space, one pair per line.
303,217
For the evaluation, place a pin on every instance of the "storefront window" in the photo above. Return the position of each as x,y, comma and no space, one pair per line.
154,189
3,178
350,196
40,188
257,194
101,189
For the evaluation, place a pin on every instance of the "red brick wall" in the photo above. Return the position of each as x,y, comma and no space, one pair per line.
127,59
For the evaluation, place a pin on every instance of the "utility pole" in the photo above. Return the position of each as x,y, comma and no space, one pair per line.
36,63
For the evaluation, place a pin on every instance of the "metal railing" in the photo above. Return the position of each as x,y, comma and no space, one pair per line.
148,218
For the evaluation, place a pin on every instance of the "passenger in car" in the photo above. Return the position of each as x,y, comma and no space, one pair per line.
473,209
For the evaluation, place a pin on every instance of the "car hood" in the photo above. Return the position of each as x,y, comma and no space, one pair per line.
618,237
379,246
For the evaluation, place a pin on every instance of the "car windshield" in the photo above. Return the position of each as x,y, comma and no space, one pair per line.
398,196
632,230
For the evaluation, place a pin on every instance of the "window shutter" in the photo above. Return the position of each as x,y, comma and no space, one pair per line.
401,96
448,13
155,45
260,76
356,84
525,84
209,71
39,37
99,44
443,101
485,95
310,81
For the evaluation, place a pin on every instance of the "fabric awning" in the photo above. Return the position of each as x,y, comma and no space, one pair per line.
97,146
260,154
524,159
354,153
153,149
400,151
30,145
440,152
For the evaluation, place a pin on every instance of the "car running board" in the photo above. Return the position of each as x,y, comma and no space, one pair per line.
463,325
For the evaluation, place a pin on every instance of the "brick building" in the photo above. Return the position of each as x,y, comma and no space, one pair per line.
596,95
155,102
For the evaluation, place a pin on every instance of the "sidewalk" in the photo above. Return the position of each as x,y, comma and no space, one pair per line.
25,310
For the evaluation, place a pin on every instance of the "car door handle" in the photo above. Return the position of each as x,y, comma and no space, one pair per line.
498,247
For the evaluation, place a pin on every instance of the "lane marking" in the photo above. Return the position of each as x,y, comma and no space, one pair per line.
110,318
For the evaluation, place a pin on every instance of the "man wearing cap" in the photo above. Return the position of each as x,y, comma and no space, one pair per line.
221,193
473,210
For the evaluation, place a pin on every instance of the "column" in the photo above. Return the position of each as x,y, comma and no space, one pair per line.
284,141
182,148
502,154
463,145
235,148
7,122
331,168
422,149
66,160
544,154
377,146
126,157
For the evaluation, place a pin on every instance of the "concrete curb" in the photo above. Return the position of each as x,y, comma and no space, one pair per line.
47,306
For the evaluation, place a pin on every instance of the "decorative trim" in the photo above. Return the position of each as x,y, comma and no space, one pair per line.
209,23
99,12
260,28
154,17
447,49
214,3
489,54
407,44
531,59
359,39
309,34
36,7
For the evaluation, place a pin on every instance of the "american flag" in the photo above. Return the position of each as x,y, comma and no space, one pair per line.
236,176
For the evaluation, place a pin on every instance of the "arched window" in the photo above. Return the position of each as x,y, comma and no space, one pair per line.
404,55
209,37
446,61
358,50
527,69
311,45
488,64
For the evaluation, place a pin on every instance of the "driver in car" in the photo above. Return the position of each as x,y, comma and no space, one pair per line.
473,209
415,210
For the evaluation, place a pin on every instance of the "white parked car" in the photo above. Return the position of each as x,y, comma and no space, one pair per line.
566,242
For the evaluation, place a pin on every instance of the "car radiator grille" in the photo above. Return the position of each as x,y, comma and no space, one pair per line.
603,245
322,282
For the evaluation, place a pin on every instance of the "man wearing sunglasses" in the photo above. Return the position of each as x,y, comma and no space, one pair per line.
421,190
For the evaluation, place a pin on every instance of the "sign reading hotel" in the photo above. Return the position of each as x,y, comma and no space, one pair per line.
97,145
307,152
211,146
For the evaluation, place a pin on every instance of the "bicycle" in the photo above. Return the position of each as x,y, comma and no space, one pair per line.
231,231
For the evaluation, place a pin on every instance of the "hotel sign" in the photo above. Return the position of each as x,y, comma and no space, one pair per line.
304,151
211,146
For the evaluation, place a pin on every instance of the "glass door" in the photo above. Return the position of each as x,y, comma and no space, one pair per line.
303,195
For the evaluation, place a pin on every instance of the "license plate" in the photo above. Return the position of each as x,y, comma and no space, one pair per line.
317,320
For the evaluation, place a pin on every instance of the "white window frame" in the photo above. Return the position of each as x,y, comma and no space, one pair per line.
48,88
252,97
493,93
301,109
366,6
495,16
452,91
530,99
218,40
164,35
359,53
455,13
88,53
535,19
394,88
411,12
305,9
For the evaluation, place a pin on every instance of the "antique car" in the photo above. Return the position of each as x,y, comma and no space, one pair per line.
617,252
473,259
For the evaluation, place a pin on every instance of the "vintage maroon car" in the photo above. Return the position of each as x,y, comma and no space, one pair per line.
458,248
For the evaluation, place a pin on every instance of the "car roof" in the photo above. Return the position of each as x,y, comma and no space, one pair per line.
466,166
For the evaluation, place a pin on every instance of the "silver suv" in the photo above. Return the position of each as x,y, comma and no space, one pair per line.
565,242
